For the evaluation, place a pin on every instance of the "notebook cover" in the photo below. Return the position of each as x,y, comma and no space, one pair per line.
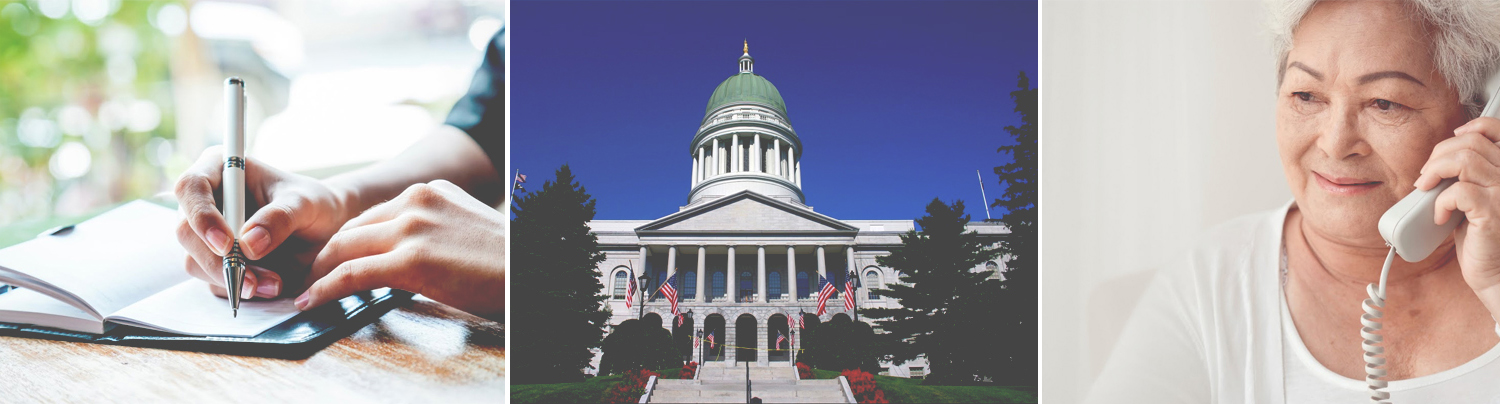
297,338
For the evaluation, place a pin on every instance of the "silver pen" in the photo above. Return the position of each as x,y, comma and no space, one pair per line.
234,188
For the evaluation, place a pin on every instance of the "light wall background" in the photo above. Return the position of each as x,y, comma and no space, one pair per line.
1157,123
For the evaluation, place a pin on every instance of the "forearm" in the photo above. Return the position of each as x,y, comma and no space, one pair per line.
445,153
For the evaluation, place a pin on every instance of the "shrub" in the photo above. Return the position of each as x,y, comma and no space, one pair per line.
862,384
688,370
804,371
630,389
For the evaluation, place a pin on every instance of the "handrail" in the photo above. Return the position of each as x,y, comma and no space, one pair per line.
650,385
848,394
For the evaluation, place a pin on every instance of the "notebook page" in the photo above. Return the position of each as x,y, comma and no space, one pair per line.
110,261
190,309
26,306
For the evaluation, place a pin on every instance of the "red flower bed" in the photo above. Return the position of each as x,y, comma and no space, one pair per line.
862,384
629,391
689,370
804,371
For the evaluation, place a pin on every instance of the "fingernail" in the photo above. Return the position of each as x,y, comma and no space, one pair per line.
257,239
267,289
218,241
302,300
247,289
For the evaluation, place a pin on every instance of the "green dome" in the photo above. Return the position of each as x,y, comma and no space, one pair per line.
745,87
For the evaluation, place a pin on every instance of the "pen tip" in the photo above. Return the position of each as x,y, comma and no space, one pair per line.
236,313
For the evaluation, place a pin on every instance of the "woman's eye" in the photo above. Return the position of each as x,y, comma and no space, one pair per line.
1386,105
1303,95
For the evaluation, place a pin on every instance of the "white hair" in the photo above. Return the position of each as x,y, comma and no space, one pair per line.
1465,37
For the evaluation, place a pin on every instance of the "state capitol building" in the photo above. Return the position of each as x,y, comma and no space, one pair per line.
747,247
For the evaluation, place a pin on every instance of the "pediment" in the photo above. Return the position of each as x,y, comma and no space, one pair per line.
747,211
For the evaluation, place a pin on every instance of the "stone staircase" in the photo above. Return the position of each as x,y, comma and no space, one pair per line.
721,383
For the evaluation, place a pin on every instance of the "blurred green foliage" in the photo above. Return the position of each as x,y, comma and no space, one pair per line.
111,67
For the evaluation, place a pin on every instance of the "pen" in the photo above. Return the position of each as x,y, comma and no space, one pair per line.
234,188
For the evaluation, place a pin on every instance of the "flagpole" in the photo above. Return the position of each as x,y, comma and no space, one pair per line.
985,199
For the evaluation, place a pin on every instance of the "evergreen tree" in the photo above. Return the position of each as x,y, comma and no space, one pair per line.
635,344
556,257
945,306
1019,177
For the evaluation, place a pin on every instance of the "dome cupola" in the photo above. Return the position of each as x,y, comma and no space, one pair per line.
745,141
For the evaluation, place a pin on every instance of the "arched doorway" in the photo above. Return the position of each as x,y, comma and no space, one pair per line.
713,325
682,337
744,337
777,330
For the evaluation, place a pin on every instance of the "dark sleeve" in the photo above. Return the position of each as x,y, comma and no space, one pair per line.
481,112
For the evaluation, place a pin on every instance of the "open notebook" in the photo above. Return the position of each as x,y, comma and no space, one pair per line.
122,267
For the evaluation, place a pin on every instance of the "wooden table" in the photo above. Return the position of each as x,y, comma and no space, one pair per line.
423,352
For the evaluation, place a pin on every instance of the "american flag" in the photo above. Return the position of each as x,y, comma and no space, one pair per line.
801,321
789,324
710,340
849,292
780,338
670,292
826,292
679,319
630,289
695,343
520,179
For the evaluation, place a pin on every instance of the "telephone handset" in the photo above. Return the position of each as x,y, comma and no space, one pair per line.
1407,227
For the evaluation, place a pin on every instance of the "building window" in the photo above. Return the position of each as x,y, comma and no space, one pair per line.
747,286
872,281
774,287
718,287
689,285
917,372
802,288
620,284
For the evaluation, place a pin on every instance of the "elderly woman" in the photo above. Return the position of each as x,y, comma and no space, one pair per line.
1375,100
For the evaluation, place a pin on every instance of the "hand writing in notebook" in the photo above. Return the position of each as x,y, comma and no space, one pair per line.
322,240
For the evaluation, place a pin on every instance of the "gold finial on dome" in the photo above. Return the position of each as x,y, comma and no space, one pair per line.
747,46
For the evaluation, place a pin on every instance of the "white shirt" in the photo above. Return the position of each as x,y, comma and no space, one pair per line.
1213,329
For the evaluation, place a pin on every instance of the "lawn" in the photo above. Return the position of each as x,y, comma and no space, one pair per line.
589,391
903,390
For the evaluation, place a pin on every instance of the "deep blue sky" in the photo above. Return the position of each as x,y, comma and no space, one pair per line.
896,102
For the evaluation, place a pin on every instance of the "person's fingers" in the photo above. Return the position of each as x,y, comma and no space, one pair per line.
1472,141
272,224
1468,165
1489,127
1463,197
218,290
363,241
417,195
200,259
195,198
267,283
350,277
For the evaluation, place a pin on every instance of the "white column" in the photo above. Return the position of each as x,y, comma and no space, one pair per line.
791,270
640,270
731,280
759,155
760,273
776,151
735,161
798,170
822,265
702,270
695,165
671,263
717,158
